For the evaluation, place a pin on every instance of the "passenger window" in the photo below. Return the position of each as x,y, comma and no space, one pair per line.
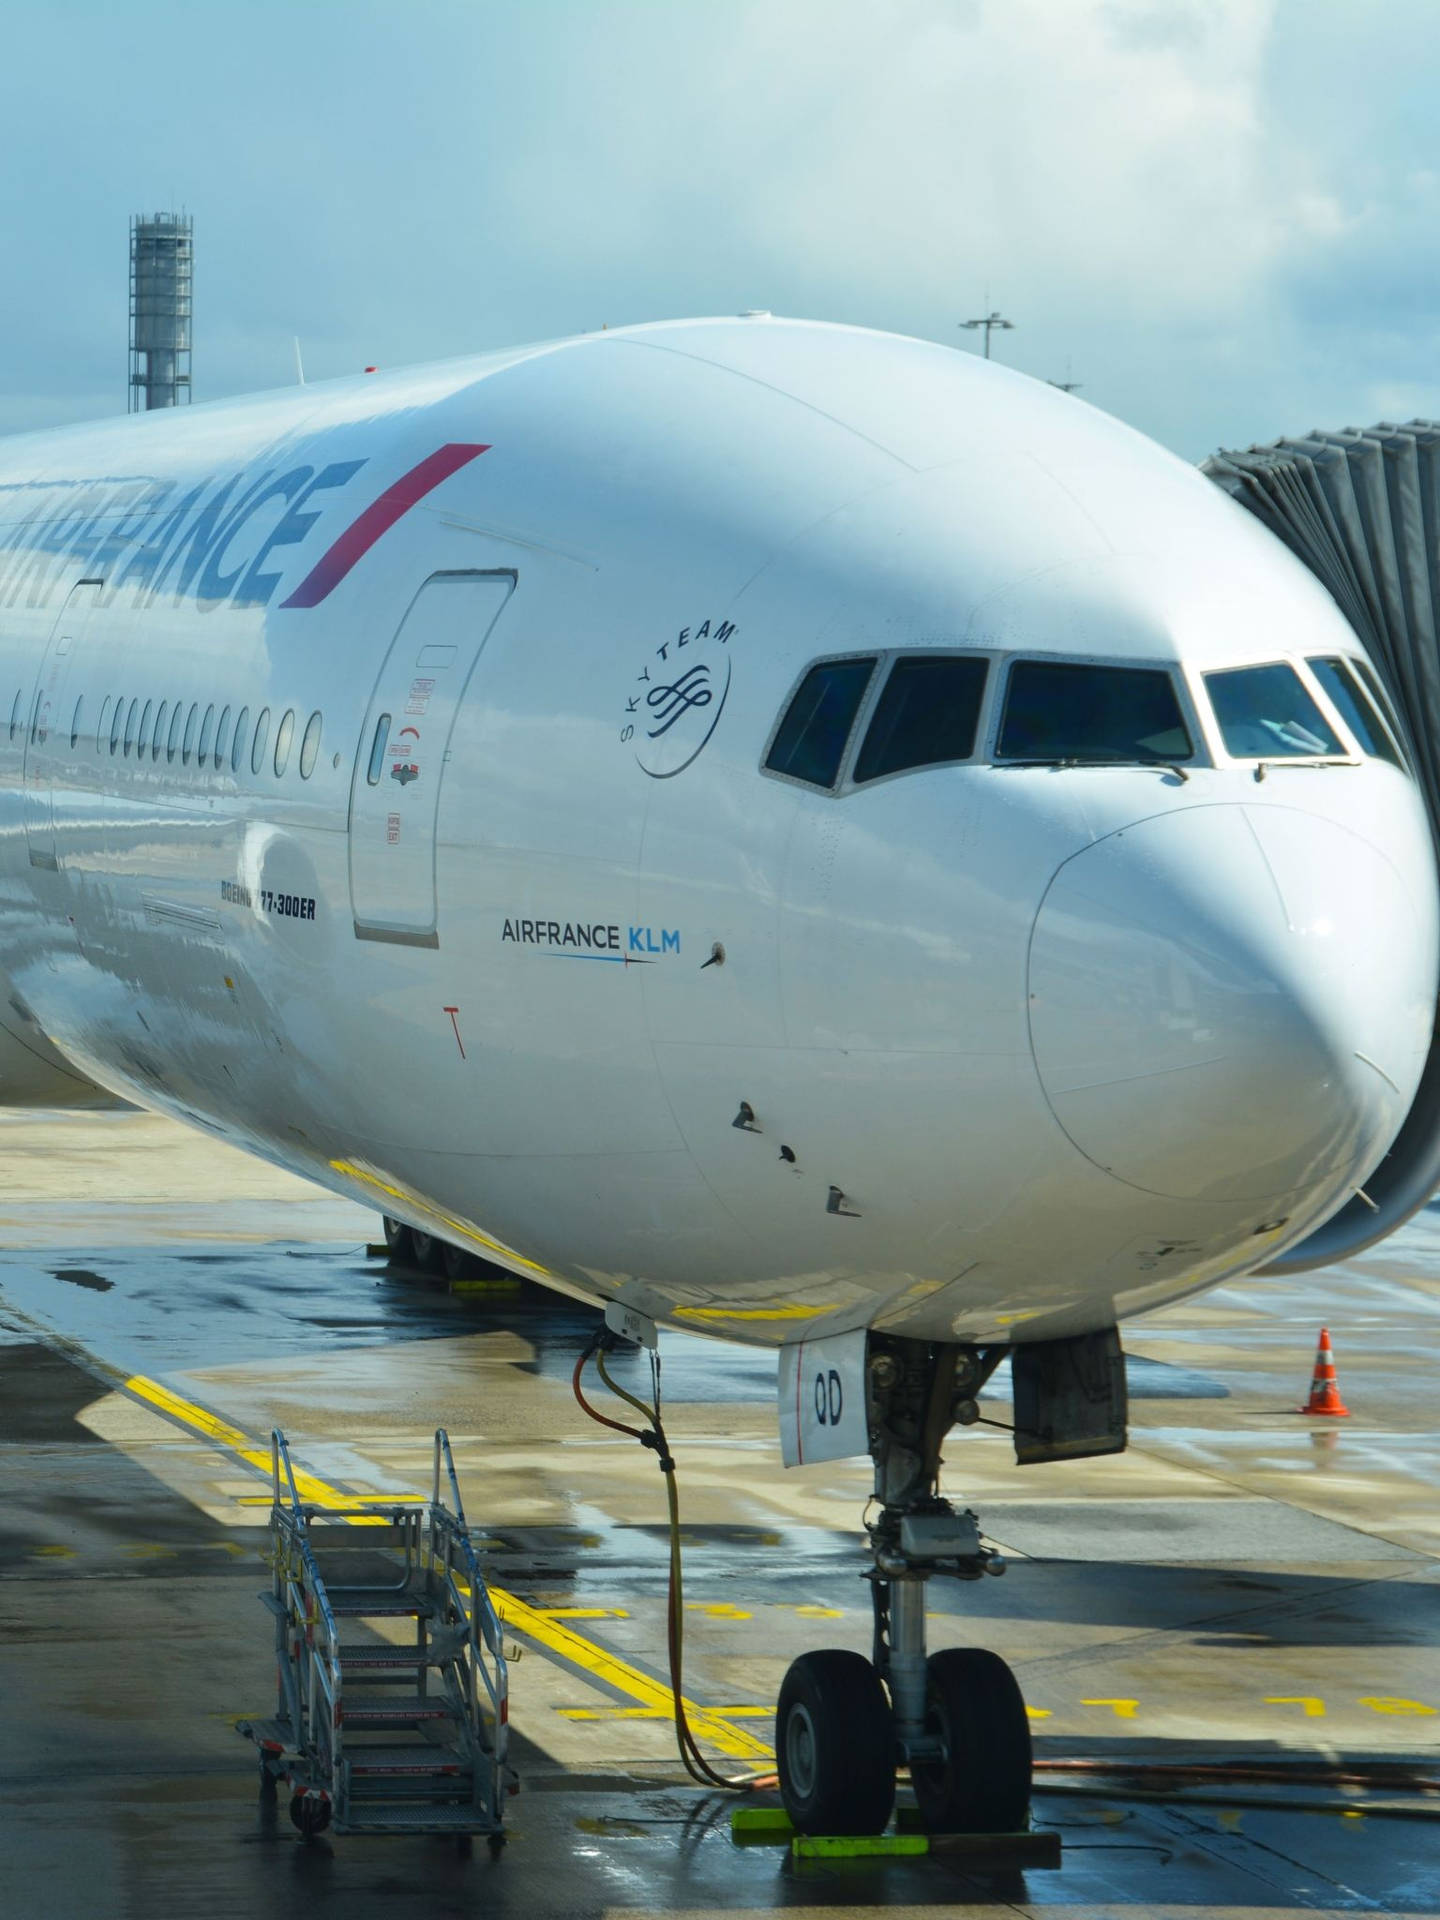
284,734
172,741
207,728
310,746
117,723
261,740
132,714
926,715
1062,710
1335,676
187,745
237,747
142,739
1266,714
811,740
159,741
104,716
377,750
222,738
75,720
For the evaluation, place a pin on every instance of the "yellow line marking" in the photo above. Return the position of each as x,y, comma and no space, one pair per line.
1387,1703
352,1172
612,1671
584,1613
1124,1709
659,1713
1314,1707
314,1492
602,1665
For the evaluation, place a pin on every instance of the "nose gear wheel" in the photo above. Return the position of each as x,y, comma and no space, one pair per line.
835,1744
975,1716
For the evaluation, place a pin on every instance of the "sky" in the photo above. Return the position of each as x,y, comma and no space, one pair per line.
1218,216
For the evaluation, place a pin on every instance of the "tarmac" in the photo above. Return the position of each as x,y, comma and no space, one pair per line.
1245,1591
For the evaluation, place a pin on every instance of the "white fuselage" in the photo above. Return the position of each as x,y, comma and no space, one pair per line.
1068,1040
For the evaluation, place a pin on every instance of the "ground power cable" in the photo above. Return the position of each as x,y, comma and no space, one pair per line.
653,1436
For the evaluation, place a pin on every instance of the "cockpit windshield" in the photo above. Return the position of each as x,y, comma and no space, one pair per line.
1337,677
1265,713
1068,711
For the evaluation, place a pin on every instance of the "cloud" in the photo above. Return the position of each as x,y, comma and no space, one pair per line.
1215,211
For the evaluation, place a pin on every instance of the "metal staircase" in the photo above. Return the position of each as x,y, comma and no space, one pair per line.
393,1713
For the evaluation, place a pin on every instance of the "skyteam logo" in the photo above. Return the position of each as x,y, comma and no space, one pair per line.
675,703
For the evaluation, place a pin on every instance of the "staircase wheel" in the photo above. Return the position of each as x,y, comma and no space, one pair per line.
309,1811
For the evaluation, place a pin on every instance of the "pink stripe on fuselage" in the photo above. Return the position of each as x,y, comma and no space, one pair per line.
358,538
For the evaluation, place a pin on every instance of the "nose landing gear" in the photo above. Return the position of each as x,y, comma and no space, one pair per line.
956,1719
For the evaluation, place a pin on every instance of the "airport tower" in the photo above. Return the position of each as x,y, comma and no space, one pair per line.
162,264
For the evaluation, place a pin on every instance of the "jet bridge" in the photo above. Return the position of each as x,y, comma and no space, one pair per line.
1361,509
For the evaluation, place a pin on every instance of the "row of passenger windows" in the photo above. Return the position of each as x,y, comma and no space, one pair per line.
1064,712
137,729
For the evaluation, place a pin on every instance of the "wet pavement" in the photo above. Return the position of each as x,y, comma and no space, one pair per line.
1245,1588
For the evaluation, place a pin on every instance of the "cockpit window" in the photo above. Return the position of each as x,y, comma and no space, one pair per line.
1266,714
810,741
1356,710
926,715
1063,710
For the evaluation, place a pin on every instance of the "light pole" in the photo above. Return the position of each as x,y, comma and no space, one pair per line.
989,322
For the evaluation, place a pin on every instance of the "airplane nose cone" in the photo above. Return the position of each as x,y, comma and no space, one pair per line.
1229,1003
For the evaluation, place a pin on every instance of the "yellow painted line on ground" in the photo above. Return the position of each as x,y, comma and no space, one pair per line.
660,1713
186,1414
612,1671
533,1622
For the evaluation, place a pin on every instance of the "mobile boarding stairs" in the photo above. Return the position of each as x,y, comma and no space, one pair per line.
403,1730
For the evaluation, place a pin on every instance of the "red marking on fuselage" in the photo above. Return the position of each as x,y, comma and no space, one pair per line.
455,1023
358,538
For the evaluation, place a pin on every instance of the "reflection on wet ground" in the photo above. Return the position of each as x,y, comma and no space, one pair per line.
1242,1583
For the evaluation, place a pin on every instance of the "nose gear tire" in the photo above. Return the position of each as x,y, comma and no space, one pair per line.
835,1745
975,1710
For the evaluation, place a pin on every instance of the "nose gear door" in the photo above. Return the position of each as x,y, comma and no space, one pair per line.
395,788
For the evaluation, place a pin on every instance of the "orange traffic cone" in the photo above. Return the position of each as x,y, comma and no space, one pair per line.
1324,1387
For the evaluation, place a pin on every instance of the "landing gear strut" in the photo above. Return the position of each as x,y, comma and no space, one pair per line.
956,1718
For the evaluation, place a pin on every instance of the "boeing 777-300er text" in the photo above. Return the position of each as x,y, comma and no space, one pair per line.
797,833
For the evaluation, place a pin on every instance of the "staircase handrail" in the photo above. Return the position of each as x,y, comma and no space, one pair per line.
323,1675
482,1621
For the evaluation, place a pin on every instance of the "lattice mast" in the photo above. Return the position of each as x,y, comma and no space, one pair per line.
162,268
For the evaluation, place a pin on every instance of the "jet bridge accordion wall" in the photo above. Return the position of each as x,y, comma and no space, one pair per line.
1361,508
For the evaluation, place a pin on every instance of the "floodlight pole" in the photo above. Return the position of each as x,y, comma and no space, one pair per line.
989,322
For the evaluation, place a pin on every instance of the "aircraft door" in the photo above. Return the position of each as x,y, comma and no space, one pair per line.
404,744
53,720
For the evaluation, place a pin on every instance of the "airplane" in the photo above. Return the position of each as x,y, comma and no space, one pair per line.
792,833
